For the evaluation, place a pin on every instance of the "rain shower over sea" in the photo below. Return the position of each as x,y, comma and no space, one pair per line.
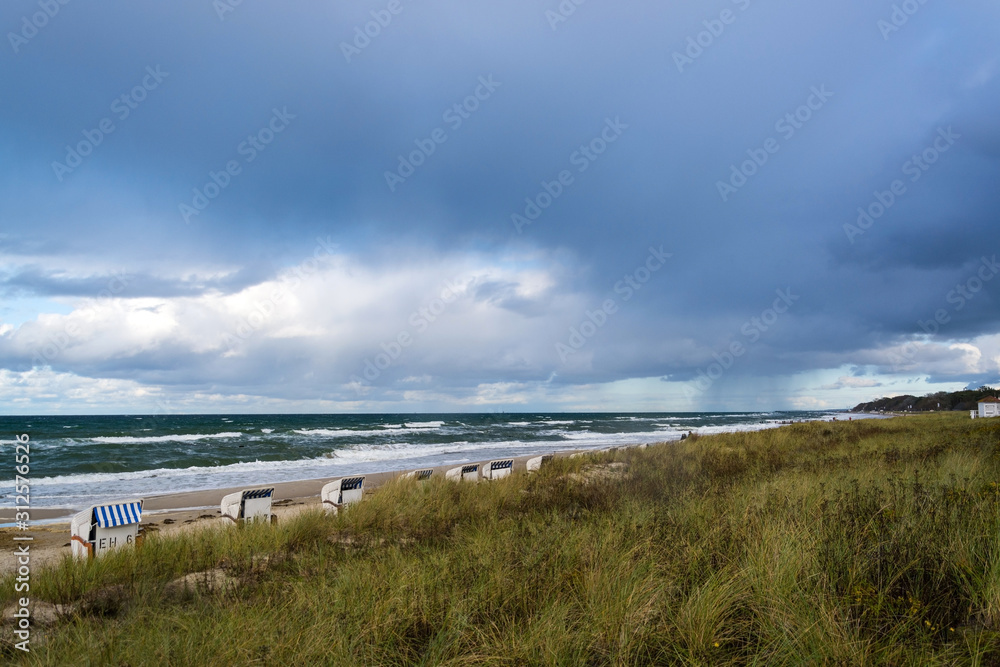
78,460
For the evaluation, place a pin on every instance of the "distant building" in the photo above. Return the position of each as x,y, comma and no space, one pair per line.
989,407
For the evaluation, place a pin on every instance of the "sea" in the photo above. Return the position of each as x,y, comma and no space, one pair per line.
77,461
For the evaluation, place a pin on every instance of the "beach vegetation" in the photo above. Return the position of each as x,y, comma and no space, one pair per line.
852,542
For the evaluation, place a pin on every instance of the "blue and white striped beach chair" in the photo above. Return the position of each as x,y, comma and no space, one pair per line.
101,528
419,475
248,505
342,492
498,469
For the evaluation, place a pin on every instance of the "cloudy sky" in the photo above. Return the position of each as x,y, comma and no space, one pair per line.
466,206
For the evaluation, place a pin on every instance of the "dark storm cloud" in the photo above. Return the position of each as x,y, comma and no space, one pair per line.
506,108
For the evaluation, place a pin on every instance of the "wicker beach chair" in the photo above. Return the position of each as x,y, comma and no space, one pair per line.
535,464
469,473
249,505
498,469
342,492
101,528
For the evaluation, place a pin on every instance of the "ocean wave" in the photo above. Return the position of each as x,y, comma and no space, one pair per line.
616,438
388,429
415,426
181,437
167,473
336,432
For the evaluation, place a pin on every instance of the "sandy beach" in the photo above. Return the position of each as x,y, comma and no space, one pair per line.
177,512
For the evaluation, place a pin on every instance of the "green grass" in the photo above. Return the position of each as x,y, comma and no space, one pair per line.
854,543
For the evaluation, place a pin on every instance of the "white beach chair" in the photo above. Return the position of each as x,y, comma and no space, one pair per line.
469,473
498,469
419,475
248,505
101,528
342,492
535,464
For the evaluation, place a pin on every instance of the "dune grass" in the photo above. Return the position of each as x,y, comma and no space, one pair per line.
855,543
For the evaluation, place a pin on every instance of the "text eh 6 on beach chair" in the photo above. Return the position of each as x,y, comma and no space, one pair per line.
98,530
248,505
469,473
498,469
342,492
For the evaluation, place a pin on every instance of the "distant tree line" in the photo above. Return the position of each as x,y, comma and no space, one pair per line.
942,400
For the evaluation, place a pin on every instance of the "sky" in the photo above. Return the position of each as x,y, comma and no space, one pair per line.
400,206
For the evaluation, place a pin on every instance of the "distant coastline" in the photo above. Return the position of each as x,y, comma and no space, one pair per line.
937,402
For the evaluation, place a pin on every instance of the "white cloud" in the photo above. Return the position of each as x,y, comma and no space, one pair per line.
852,382
438,330
432,315
808,403
939,358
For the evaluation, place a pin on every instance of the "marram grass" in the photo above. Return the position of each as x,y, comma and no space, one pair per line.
849,543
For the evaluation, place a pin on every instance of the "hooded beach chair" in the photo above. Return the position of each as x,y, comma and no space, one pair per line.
342,492
535,464
419,475
469,473
498,469
101,528
248,505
